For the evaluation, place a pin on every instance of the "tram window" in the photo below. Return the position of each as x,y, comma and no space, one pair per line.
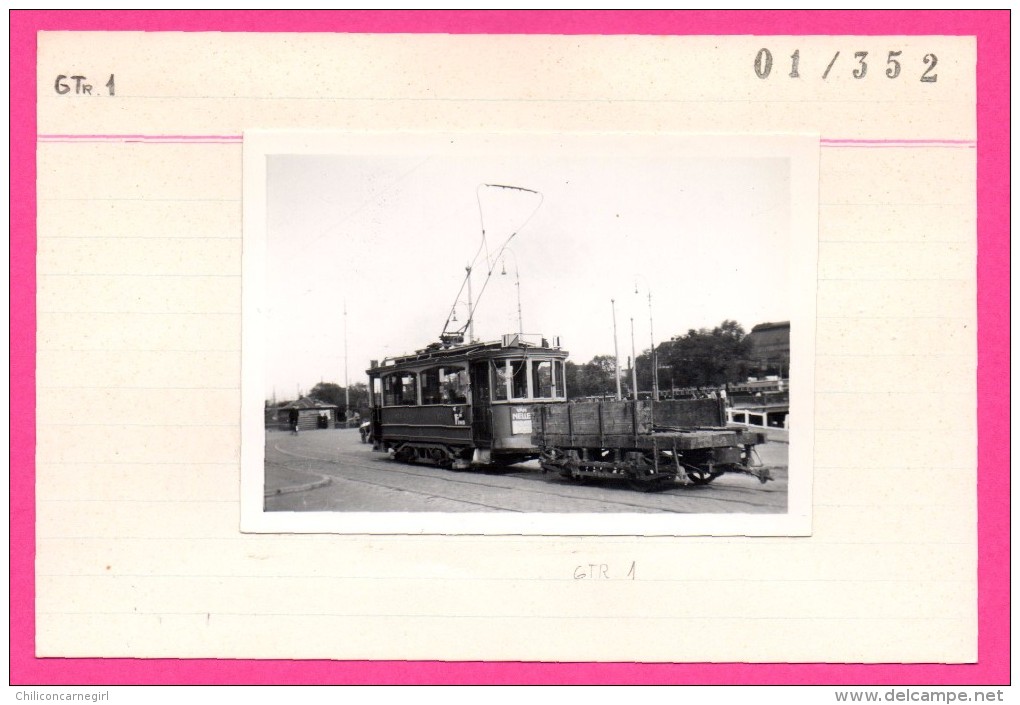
559,386
401,389
519,370
454,384
430,389
499,381
409,382
391,390
541,377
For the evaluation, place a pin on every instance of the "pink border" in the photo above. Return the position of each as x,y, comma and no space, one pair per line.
992,30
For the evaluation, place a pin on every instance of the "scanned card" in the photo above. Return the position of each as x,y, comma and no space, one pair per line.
366,227
473,347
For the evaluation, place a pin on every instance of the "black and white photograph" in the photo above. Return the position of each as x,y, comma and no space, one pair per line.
562,334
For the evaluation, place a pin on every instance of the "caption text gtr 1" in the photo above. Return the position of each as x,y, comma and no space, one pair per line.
498,403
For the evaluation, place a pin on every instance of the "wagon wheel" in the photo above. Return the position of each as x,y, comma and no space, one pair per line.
647,480
561,462
655,485
701,476
551,460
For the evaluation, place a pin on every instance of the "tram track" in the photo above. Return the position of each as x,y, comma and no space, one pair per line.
428,495
519,486
342,479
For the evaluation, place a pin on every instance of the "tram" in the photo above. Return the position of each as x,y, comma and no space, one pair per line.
458,403
461,405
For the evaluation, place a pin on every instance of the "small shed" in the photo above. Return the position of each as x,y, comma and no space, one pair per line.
312,413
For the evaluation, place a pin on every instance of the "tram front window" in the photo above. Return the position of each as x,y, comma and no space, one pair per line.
559,388
499,381
541,377
519,372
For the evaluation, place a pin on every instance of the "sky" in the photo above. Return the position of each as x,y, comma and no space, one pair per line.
389,237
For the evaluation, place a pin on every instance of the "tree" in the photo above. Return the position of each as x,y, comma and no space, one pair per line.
596,377
571,373
702,358
328,392
332,393
359,398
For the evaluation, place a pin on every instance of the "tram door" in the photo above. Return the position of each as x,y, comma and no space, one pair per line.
481,396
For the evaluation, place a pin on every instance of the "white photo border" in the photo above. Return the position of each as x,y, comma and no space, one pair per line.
803,153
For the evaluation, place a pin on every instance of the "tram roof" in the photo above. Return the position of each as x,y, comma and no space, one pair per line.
465,351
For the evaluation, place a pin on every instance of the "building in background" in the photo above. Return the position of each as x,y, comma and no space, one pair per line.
770,348
312,414
764,400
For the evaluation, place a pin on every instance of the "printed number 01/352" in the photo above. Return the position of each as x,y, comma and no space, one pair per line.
763,63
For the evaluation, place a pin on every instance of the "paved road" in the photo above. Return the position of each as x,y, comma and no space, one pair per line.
362,480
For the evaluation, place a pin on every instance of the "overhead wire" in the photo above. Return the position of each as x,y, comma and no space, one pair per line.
489,259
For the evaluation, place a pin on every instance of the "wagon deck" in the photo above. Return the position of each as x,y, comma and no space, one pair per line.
646,442
685,424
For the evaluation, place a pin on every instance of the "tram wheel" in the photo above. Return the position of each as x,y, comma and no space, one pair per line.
440,457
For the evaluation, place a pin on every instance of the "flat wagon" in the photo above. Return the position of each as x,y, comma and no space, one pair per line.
649,444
